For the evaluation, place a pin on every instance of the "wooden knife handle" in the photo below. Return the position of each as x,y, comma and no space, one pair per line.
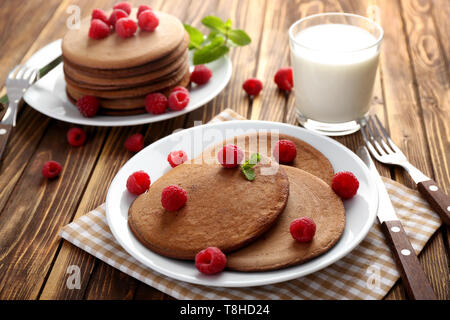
5,130
413,276
438,200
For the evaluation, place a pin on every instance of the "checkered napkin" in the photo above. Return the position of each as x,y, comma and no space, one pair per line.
368,272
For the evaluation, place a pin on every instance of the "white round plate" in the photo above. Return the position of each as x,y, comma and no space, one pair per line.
360,210
48,95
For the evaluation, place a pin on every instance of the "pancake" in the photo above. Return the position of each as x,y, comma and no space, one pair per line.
276,249
209,218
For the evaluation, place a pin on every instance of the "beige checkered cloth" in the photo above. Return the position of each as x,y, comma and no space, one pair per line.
368,272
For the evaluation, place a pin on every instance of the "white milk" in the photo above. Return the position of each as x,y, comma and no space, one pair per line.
333,78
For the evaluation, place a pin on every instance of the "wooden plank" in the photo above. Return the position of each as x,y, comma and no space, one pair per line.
441,13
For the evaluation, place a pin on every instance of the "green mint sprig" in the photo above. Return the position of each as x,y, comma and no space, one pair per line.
247,167
217,44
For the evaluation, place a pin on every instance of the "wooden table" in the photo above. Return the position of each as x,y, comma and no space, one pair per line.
411,96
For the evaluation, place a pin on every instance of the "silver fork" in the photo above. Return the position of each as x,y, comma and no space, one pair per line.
18,81
384,150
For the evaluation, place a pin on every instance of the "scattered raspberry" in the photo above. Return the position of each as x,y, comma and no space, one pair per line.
173,198
51,169
285,151
148,21
345,184
88,106
125,6
76,137
135,142
284,79
303,229
155,103
98,29
230,156
142,8
138,182
201,74
178,100
126,27
115,16
100,14
252,86
176,158
180,88
210,261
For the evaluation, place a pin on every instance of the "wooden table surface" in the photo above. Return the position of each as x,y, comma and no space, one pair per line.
411,96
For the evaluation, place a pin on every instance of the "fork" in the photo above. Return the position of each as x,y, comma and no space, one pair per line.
18,81
384,150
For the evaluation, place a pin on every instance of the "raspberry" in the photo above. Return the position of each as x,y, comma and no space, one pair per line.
101,15
135,142
303,229
178,100
115,16
210,261
142,7
51,169
125,6
180,88
252,86
230,156
284,79
173,198
176,158
98,29
138,182
76,137
88,106
148,21
285,151
126,27
345,184
155,103
201,74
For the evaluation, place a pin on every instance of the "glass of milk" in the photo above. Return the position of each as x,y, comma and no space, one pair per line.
334,58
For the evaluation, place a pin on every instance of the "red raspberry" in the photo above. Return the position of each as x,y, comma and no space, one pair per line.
210,261
98,29
51,169
148,21
142,7
345,184
230,156
252,86
285,151
284,79
303,229
178,100
115,16
76,137
100,14
176,158
138,182
126,27
88,106
135,142
155,103
125,6
201,74
180,88
173,198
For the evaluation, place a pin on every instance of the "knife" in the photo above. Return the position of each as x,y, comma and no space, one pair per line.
412,274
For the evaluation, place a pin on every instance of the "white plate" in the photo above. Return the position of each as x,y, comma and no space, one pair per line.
48,95
360,210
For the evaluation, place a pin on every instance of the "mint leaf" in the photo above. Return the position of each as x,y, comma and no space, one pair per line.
239,37
214,23
195,35
254,159
249,174
211,52
247,167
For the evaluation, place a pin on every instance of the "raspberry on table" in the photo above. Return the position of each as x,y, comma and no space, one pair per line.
126,27
115,16
178,100
138,182
125,6
88,106
135,142
98,29
230,156
285,151
155,103
100,14
210,261
345,184
303,229
252,86
176,158
142,8
76,137
201,74
284,79
51,169
148,21
173,198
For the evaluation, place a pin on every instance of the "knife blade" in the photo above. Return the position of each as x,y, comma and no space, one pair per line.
414,279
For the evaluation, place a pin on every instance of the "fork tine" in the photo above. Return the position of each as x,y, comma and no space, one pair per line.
387,137
13,71
33,76
366,139
20,73
374,141
378,135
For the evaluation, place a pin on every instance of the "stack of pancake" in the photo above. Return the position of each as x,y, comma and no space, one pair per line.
121,72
